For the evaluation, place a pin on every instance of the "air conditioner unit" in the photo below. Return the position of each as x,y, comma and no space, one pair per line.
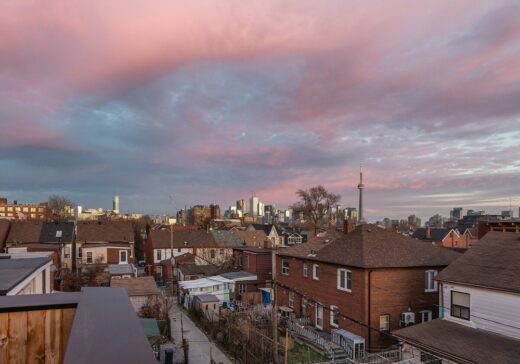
407,319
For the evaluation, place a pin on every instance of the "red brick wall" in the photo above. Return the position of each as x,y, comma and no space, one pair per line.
392,292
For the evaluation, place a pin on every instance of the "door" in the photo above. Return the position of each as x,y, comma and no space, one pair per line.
123,258
319,316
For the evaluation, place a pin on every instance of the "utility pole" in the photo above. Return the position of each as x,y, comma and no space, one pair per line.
274,314
286,356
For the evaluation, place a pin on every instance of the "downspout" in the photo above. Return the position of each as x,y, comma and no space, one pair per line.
369,309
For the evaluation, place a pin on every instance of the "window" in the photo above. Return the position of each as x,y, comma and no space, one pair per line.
123,256
247,261
178,250
305,269
221,252
430,284
89,257
460,307
158,252
291,299
345,280
315,272
242,288
67,252
212,254
285,267
384,323
425,315
334,316
79,252
240,260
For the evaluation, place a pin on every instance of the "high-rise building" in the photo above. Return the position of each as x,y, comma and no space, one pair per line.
351,213
456,213
115,205
253,206
360,186
241,205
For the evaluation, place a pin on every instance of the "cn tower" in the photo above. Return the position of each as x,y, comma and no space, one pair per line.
360,186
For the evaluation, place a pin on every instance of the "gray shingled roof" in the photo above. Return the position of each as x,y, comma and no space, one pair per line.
207,298
369,246
491,262
443,337
14,271
227,238
436,234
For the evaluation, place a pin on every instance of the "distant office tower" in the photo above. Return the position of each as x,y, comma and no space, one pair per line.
351,213
456,213
253,206
261,209
115,205
360,186
214,211
241,205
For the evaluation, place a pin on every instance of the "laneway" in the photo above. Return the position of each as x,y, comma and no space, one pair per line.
199,344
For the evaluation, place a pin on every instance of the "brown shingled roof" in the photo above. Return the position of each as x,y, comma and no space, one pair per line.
140,286
491,262
252,237
26,231
105,231
369,246
194,239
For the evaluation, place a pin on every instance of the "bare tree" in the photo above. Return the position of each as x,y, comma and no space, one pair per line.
314,204
60,206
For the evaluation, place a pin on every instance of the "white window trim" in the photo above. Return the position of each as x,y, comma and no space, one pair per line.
314,276
290,299
285,273
423,312
346,271
332,308
435,284
305,270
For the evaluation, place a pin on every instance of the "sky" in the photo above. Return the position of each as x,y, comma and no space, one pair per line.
174,103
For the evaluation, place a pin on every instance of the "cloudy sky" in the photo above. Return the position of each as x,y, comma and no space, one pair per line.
211,100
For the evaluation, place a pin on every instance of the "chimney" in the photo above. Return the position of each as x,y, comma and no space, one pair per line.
428,232
348,226
15,202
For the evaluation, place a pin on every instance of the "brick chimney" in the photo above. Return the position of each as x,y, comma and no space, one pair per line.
348,226
428,232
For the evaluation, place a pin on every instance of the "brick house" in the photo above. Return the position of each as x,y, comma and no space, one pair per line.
257,261
448,238
201,243
105,242
368,277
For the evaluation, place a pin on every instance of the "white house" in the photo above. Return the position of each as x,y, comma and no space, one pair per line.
479,306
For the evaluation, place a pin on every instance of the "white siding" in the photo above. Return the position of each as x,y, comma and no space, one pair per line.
166,253
490,310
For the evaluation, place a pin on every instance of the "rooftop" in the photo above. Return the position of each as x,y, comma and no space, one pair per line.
461,343
207,298
491,262
14,271
369,246
140,286
161,239
105,231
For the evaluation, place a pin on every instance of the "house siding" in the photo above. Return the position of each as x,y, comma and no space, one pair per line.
490,310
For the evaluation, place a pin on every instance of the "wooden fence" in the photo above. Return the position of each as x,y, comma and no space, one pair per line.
38,336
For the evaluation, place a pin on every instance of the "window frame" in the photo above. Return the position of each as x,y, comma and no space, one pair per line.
347,273
388,323
67,252
158,254
242,288
121,252
290,299
421,315
305,271
316,272
428,280
334,315
89,258
285,270
452,306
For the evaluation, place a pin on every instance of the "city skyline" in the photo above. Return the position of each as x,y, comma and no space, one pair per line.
269,98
